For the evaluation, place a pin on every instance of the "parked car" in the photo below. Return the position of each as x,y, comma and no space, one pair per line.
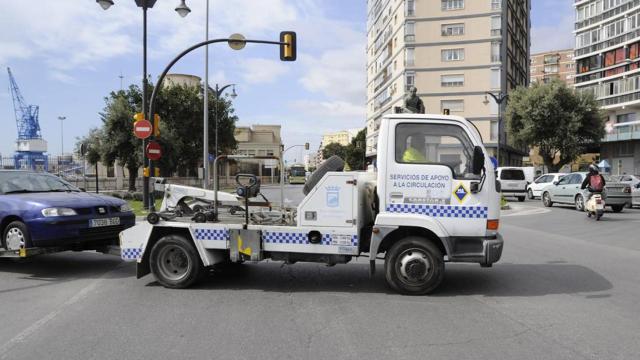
567,191
634,183
534,190
43,210
513,182
618,194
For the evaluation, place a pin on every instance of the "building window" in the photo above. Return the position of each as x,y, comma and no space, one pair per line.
409,80
496,25
551,69
452,5
411,7
452,105
495,51
625,118
495,78
410,31
496,4
454,80
452,29
493,132
452,54
409,56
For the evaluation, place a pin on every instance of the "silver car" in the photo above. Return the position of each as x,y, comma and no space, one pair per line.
567,191
633,181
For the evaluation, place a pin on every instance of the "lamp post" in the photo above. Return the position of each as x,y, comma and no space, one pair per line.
61,118
183,10
282,169
218,91
499,99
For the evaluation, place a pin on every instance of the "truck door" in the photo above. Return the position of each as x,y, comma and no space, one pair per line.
429,171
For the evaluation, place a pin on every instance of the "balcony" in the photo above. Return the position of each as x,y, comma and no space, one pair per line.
622,99
608,43
607,14
624,131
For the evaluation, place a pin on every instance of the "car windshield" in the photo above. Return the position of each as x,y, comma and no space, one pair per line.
512,174
12,182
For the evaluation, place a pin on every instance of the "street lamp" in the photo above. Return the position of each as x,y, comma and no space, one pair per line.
499,99
61,118
218,91
183,10
282,169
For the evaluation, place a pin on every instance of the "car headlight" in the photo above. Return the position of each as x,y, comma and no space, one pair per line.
125,208
58,211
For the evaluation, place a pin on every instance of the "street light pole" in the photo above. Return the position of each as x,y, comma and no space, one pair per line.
183,10
499,99
205,127
61,118
217,92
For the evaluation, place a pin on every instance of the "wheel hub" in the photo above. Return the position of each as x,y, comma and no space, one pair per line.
414,265
14,239
174,263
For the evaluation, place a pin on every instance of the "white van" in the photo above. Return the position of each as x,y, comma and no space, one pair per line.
513,182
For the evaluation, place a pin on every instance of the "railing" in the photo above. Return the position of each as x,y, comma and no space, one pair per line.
607,14
608,43
620,133
619,99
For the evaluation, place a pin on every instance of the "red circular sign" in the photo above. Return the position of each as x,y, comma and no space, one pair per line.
142,129
154,151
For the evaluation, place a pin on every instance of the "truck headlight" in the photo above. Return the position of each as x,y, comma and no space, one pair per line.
125,208
58,211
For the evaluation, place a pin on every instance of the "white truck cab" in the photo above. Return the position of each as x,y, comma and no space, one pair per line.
432,200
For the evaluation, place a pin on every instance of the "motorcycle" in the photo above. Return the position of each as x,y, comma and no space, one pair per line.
595,206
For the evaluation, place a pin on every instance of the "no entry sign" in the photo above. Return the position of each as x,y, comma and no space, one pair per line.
142,129
154,151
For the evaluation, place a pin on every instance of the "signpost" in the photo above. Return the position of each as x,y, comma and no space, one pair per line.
154,151
142,129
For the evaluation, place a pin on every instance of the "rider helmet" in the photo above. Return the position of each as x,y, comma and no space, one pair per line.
593,169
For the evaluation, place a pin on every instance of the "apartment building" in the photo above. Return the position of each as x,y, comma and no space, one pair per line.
454,52
257,140
342,137
607,54
552,65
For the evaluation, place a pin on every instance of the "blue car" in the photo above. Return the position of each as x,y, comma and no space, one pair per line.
39,210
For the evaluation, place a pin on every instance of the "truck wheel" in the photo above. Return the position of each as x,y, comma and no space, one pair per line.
546,200
175,262
414,266
334,163
15,236
617,208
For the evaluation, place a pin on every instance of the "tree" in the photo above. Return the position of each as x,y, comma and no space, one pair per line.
355,151
93,142
334,149
556,120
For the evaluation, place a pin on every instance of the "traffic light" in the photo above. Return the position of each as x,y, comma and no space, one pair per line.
288,49
156,125
145,172
138,116
306,146
157,172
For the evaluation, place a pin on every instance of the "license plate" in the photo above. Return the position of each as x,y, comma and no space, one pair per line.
104,222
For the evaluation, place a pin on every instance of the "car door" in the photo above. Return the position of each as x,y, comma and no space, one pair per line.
541,182
559,191
573,187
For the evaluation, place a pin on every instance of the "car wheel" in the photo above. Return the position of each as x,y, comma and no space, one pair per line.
579,202
546,200
414,266
16,236
175,262
530,194
617,208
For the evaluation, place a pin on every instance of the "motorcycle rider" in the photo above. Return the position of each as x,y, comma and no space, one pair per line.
594,181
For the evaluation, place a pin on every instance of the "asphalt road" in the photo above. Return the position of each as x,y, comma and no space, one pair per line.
567,288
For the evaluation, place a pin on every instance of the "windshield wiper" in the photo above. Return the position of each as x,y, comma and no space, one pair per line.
21,191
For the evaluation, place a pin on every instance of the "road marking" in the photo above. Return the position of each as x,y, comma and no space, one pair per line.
80,295
520,210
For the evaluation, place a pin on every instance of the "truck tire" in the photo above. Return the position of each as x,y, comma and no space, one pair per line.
414,266
175,262
617,208
334,163
16,235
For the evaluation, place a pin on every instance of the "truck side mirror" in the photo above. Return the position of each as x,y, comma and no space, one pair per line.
478,160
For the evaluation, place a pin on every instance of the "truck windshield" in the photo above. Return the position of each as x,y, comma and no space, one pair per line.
27,182
440,144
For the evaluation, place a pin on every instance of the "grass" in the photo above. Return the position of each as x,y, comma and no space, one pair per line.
137,207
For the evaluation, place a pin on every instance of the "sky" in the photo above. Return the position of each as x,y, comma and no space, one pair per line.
67,55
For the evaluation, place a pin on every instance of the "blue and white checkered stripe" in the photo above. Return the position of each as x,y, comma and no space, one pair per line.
448,211
212,234
273,237
131,254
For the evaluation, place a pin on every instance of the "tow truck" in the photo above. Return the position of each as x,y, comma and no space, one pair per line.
433,199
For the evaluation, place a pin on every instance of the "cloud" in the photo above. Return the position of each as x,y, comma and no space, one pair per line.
257,70
62,77
340,110
553,26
